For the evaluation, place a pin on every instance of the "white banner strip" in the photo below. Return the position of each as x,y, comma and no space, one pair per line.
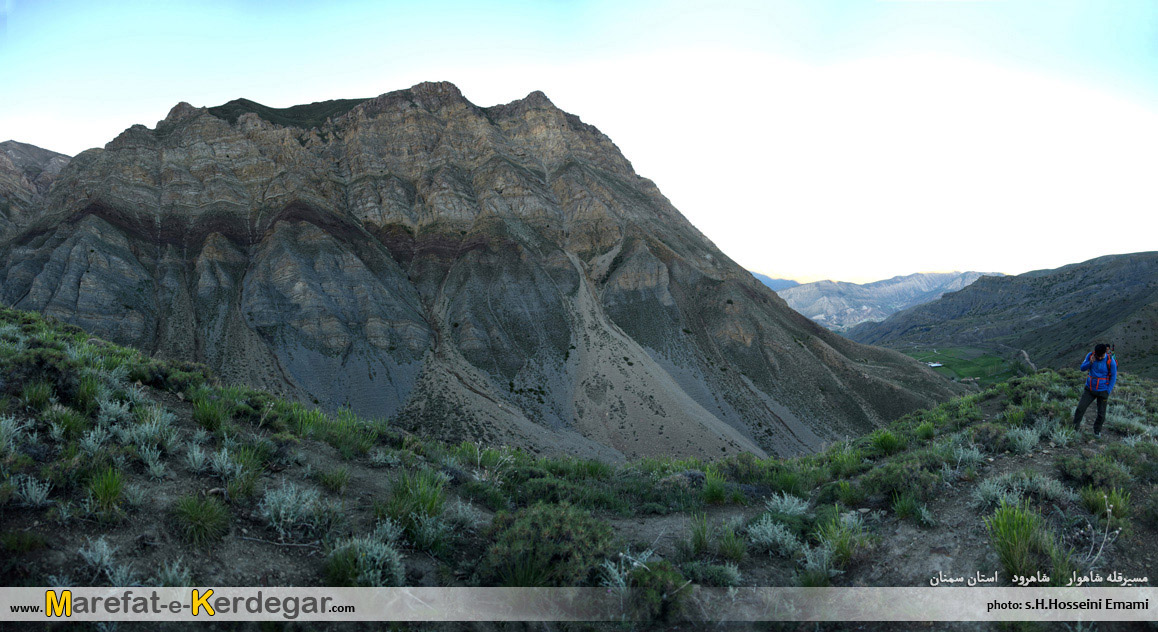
688,603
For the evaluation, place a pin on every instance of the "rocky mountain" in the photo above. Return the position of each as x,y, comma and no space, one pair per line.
1054,315
775,284
494,273
26,173
838,305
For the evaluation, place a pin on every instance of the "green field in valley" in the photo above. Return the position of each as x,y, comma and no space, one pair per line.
967,363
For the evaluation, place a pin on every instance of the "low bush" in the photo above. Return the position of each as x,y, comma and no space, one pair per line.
1097,470
364,562
658,591
717,575
544,545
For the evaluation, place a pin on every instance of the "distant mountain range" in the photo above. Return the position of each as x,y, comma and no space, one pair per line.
838,305
1055,315
26,172
775,284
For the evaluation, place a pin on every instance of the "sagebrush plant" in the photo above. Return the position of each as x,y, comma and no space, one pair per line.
201,520
768,535
1022,440
364,561
32,492
97,556
786,504
173,574
291,509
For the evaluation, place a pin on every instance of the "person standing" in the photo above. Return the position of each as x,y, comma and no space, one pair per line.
1103,370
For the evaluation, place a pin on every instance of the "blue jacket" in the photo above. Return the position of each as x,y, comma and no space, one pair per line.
1102,377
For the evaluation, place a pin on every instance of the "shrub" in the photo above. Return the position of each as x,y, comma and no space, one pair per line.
201,520
884,442
32,492
1014,486
900,476
786,504
365,562
429,533
1098,471
174,574
11,431
1022,440
544,545
718,575
659,591
819,567
768,535
990,436
98,557
291,509
925,431
1150,509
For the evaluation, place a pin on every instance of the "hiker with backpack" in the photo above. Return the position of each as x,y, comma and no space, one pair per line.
1103,370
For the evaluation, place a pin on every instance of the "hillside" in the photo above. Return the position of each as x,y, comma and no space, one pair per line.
117,469
26,173
1055,315
498,273
838,305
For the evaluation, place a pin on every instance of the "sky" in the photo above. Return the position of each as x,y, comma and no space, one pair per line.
810,139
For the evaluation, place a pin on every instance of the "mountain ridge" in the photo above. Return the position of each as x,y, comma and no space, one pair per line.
500,273
1054,314
839,305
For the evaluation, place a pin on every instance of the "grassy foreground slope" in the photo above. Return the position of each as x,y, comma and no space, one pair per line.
117,469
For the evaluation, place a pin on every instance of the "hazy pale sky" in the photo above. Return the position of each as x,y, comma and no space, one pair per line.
852,140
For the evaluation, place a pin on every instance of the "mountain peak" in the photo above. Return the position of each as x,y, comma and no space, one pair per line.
181,111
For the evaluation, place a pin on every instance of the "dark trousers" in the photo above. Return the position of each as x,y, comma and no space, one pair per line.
1089,396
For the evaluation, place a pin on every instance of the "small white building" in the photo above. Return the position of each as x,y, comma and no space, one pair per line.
934,364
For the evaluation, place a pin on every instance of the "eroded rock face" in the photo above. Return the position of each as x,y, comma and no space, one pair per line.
26,173
498,273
